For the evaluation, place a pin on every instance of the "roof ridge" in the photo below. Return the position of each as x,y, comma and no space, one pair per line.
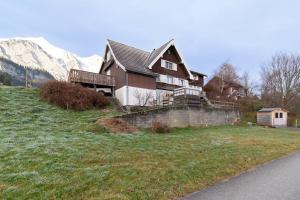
128,46
149,56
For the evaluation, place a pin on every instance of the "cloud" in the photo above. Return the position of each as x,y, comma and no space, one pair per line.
208,32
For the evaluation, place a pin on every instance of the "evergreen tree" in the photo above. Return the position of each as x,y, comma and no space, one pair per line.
5,78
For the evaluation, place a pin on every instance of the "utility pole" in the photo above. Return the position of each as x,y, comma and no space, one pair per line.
26,77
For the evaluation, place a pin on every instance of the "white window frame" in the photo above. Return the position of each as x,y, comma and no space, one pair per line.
169,65
170,78
181,82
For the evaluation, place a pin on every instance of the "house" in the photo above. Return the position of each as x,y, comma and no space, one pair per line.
272,117
145,78
217,88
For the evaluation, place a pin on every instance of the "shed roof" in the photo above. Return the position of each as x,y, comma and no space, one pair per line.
271,109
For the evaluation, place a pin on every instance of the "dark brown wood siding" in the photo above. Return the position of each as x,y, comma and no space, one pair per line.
173,57
199,82
141,81
118,73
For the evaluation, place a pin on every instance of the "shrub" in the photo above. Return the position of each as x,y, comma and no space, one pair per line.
160,127
5,78
116,125
72,96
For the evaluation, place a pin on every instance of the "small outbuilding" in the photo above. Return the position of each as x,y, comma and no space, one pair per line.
272,117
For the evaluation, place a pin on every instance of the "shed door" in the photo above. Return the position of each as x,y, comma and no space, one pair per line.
279,119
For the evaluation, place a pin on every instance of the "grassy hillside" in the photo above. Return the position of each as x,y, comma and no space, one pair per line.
49,153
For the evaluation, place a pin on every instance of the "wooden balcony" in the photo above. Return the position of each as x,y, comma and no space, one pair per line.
188,91
84,77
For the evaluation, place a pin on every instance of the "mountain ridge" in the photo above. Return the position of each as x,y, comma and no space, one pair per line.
38,53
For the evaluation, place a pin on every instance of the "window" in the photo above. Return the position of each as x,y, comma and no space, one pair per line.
169,52
181,82
196,77
169,65
108,72
280,115
276,115
170,80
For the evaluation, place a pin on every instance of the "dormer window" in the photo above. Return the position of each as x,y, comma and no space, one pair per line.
196,77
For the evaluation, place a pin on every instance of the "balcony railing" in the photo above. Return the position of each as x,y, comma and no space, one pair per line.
79,76
188,91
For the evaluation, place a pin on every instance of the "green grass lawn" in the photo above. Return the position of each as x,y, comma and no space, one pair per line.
49,153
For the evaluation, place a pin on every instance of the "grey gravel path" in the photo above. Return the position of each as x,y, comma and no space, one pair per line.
278,180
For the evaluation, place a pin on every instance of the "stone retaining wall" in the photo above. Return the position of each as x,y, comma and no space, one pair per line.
184,116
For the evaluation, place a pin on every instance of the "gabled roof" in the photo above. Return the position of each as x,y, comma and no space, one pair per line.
130,58
137,60
228,83
107,64
157,52
198,73
271,109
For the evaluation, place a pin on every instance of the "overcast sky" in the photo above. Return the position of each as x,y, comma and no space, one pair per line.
208,32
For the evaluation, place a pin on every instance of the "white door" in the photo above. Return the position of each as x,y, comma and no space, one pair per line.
279,119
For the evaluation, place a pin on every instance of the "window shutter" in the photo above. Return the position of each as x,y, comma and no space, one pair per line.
163,78
175,66
163,63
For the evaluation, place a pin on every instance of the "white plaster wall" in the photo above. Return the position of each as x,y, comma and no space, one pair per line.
121,95
132,95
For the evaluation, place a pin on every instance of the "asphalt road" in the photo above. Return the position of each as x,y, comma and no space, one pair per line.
278,180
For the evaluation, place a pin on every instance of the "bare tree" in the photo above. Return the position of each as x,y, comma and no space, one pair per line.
143,98
227,72
281,81
250,87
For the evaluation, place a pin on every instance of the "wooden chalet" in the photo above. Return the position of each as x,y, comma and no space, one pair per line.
154,75
216,88
137,77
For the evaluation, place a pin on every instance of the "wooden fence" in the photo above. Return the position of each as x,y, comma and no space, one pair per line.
223,104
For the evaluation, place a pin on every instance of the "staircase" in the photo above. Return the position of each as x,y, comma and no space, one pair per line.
189,97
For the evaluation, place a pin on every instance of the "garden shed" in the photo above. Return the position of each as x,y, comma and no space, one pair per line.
272,117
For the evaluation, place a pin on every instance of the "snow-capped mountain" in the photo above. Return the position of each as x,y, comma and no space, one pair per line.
38,53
